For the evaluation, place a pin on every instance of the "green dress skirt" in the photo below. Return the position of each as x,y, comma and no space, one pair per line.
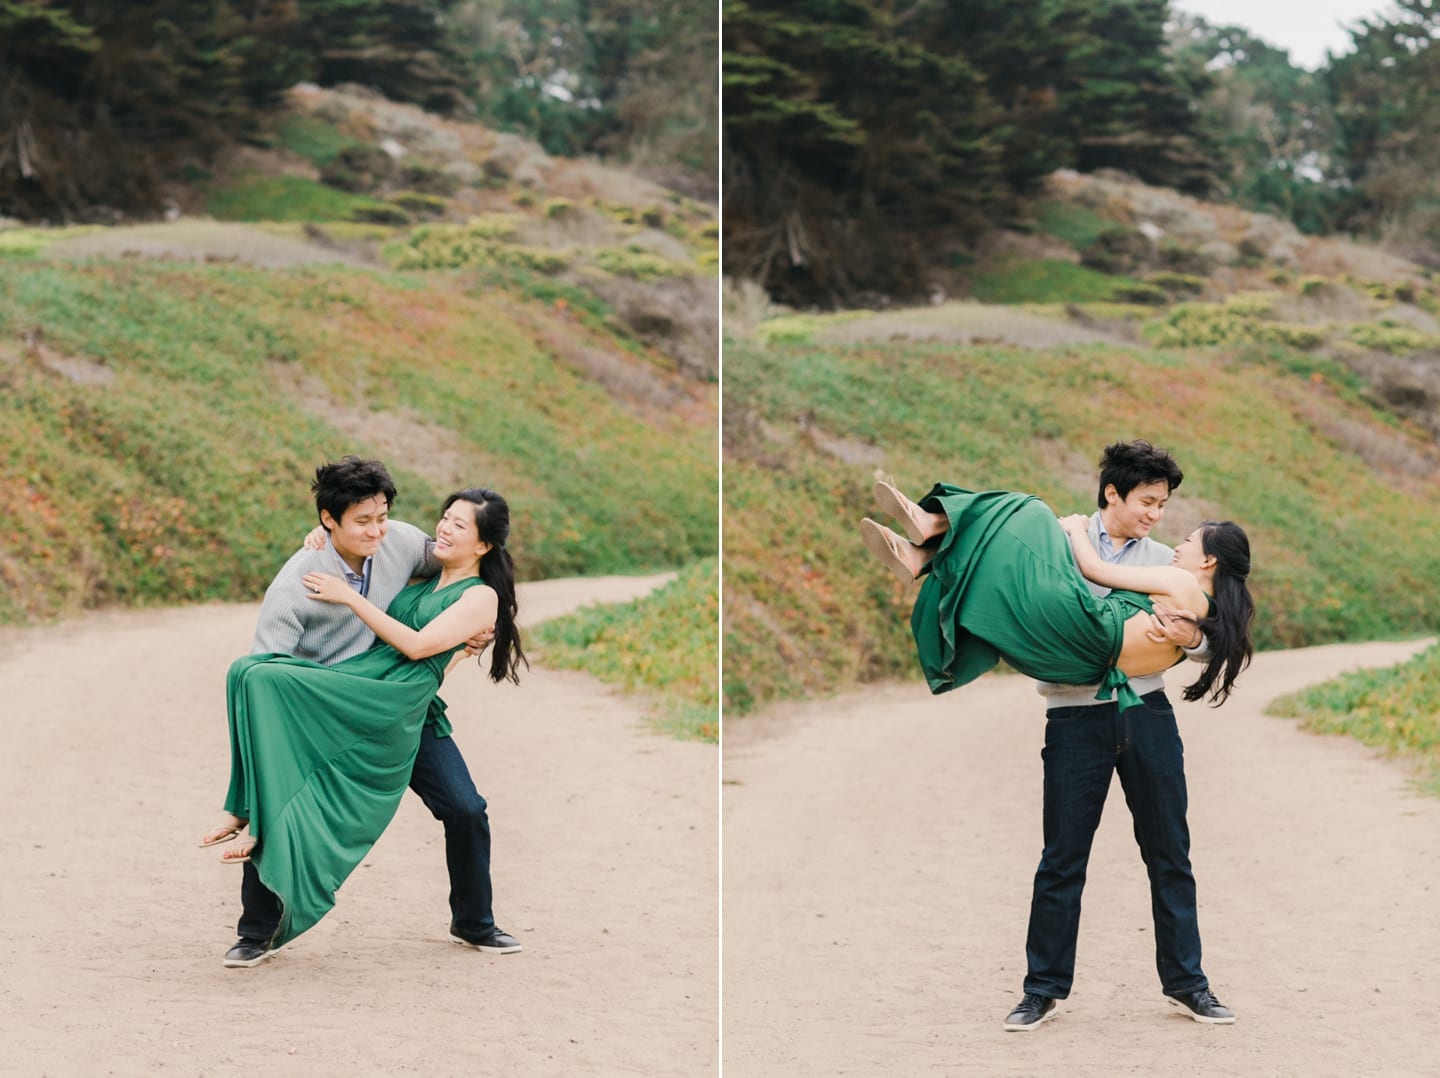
321,755
1003,584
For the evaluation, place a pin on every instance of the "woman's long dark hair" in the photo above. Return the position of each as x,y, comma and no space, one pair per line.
492,523
1228,628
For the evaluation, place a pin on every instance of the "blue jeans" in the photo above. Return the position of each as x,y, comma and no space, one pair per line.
1083,747
443,782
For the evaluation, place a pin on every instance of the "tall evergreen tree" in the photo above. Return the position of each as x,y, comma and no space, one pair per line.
1272,121
405,49
849,145
1386,96
100,100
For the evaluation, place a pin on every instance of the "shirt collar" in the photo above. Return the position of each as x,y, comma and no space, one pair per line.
359,581
1108,550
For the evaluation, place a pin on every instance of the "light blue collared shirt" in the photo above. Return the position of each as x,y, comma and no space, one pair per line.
359,581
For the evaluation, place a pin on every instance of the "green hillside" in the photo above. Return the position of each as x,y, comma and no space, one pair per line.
167,388
160,421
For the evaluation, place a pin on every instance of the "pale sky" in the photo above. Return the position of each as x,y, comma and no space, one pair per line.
1305,29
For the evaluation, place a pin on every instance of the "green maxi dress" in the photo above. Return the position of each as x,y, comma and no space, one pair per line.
321,755
1003,584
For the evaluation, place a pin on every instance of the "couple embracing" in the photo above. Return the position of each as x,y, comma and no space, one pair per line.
1096,611
335,711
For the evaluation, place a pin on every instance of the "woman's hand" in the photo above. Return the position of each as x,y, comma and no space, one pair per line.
328,588
479,642
1178,628
316,538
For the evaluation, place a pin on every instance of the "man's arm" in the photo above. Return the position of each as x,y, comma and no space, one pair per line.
278,629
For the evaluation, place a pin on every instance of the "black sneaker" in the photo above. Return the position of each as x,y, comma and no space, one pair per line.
1031,1011
495,942
1203,1007
247,953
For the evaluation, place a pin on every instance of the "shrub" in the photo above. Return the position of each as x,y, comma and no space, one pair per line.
429,179
418,202
456,246
1117,250
1392,339
634,261
1241,319
1141,292
359,168
1177,283
1182,259
377,213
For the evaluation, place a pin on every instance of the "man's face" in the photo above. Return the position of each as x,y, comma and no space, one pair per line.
358,533
1133,516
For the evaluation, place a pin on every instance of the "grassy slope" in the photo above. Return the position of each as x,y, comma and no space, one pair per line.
155,449
665,645
184,478
1270,438
1397,709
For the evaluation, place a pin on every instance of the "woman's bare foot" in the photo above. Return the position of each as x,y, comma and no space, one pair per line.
239,853
902,558
919,525
231,827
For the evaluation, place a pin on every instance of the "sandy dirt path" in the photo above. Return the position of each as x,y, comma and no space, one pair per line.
112,922
879,851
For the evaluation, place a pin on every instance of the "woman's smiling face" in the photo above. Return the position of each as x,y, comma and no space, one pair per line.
457,540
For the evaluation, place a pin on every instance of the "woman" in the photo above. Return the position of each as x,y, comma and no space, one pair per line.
1001,582
320,755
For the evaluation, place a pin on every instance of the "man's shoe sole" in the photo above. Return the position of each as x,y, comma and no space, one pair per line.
1016,1027
246,963
516,949
1188,1013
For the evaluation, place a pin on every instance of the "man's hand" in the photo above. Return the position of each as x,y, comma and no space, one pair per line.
479,642
1178,628
1076,525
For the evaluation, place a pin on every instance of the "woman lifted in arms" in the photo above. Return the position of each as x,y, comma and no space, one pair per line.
1005,579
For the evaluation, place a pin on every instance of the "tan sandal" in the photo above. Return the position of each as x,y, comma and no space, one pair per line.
886,545
225,833
892,502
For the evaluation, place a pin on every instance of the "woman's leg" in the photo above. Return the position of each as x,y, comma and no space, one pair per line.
920,526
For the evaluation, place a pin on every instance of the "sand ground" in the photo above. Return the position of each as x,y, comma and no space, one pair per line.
878,857
112,922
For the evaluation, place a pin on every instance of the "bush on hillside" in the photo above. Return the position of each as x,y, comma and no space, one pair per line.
1118,250
1242,319
1393,339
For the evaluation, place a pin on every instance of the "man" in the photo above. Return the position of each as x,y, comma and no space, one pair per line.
377,556
1086,741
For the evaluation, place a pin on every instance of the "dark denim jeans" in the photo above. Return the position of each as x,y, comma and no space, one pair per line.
1083,747
443,782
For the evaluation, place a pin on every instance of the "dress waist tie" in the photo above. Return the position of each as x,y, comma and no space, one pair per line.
1116,684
